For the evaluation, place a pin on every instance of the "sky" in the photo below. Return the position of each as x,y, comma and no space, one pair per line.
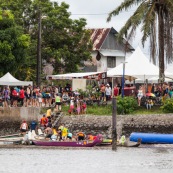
96,13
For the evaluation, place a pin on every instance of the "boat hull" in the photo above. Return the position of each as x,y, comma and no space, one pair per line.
152,138
84,143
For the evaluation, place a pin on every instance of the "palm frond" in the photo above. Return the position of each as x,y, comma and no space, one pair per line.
147,23
133,22
124,6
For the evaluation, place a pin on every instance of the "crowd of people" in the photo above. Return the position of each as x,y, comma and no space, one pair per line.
55,96
159,94
33,96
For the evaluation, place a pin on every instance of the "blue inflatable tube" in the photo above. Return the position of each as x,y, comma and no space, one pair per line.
152,138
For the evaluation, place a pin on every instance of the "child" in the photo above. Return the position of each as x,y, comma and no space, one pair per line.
78,108
84,106
149,103
71,105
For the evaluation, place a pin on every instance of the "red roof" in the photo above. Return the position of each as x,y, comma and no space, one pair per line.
98,36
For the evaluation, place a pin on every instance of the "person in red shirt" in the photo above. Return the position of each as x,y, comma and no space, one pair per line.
21,95
116,91
14,97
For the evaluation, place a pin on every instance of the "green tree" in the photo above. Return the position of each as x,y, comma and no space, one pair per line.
13,44
65,41
155,16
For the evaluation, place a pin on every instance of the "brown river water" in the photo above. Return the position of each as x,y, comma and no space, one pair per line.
32,159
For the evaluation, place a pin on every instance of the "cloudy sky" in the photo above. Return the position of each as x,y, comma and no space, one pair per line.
96,13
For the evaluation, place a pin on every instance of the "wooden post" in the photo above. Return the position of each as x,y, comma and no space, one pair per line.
39,50
114,130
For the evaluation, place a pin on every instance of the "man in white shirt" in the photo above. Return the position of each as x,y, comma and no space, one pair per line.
108,92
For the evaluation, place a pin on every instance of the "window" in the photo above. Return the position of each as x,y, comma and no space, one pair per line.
111,61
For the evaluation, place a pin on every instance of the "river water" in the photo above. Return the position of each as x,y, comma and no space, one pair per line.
144,159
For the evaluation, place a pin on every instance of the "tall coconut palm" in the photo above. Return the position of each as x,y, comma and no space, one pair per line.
156,20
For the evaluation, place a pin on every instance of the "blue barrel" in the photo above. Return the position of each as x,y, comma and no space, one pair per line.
152,138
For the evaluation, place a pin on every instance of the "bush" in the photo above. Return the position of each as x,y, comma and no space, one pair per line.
126,105
168,106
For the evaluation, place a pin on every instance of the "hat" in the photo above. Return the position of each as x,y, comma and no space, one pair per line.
107,85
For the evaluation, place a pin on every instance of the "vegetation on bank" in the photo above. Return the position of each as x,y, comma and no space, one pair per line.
126,105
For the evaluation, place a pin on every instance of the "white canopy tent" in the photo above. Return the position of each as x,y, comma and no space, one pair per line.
86,75
170,68
9,80
150,80
138,66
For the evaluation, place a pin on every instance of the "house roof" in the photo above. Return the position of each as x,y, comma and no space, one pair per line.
99,35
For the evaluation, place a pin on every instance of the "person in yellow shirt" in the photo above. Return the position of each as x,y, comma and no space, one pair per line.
48,113
64,133
54,134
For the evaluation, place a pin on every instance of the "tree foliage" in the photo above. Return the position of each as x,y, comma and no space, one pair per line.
156,18
13,44
65,42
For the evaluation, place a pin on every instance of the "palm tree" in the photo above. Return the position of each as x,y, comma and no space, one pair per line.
156,20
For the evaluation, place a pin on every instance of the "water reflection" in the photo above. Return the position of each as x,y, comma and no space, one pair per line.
92,160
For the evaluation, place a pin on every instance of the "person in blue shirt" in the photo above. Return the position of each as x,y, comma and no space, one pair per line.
33,125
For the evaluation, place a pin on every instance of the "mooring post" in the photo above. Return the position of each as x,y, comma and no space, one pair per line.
114,130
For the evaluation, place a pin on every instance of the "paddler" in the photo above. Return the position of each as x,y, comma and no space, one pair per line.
122,140
24,127
80,136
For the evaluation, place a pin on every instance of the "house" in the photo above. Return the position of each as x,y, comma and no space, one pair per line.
107,52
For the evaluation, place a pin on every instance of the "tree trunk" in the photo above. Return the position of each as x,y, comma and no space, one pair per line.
161,46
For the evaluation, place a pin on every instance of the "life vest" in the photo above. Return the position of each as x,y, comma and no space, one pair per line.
44,121
24,126
54,131
81,134
64,131
123,140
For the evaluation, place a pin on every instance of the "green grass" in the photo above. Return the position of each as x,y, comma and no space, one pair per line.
154,110
107,110
93,110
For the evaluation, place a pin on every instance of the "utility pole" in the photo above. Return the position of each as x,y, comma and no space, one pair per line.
39,50
114,128
123,77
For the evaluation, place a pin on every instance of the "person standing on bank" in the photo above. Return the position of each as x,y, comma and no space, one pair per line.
24,127
116,90
108,92
58,101
140,95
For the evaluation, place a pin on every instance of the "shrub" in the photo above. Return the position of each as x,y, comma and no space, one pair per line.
168,106
126,105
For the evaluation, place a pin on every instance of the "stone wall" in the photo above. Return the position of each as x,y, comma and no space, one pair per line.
11,118
126,124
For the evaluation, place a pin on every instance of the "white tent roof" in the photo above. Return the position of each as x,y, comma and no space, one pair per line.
88,75
138,66
170,68
9,80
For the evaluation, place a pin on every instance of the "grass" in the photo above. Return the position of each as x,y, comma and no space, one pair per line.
154,110
107,110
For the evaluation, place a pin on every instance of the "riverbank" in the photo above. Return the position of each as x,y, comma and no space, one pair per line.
126,124
93,124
